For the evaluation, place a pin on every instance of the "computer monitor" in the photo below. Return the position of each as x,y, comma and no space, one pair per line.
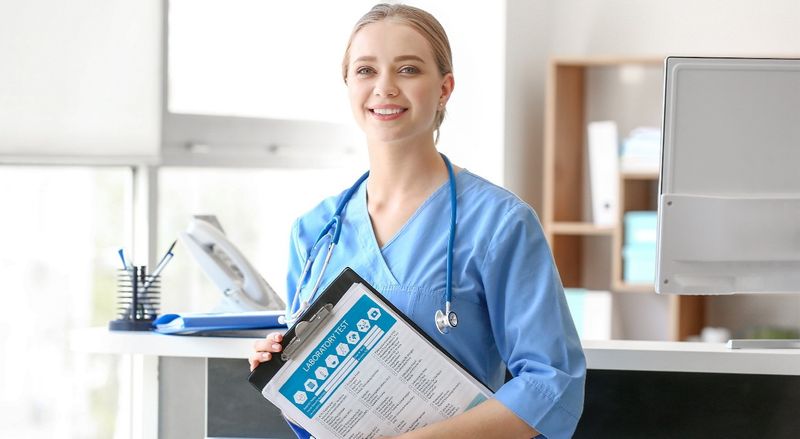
729,201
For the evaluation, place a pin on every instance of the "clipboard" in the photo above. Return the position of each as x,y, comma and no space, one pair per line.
303,342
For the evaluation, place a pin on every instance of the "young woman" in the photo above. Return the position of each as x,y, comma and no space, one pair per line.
512,313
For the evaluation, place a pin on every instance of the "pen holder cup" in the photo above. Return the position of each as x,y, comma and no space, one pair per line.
138,300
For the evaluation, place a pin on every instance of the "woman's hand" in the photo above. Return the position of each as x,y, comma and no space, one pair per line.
265,348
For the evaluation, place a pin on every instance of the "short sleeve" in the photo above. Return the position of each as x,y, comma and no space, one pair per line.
532,326
296,261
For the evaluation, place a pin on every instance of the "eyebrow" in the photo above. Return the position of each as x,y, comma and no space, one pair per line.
397,59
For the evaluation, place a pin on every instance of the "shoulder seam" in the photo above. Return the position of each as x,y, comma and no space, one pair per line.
500,224
501,188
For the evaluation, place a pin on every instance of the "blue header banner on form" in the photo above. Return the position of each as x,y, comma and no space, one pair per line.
337,355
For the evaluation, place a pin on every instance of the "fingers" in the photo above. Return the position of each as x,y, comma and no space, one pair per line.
264,349
269,344
257,358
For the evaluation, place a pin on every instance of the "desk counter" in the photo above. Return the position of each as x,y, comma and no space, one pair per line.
660,356
633,388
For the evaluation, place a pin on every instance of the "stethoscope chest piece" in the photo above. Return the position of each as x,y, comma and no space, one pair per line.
444,322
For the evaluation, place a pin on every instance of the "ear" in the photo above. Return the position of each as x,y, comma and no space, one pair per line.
448,84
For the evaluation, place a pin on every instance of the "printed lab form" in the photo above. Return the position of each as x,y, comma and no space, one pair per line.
369,374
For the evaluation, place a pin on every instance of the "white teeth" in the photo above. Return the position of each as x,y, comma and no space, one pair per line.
387,111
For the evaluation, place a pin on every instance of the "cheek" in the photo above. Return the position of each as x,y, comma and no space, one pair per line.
427,96
357,98
426,102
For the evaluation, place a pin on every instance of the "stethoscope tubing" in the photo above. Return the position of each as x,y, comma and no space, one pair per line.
335,224
448,294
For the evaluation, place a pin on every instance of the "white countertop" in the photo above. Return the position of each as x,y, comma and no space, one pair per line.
670,356
101,340
610,354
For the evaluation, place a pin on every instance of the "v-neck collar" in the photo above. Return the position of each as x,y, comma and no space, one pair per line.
366,232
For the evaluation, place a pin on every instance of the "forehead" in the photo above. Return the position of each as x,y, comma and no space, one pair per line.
388,39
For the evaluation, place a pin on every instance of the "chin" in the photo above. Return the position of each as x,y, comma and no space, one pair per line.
385,136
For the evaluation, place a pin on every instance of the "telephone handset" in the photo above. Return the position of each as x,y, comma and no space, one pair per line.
242,287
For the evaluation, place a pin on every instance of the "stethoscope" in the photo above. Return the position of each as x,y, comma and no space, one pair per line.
445,320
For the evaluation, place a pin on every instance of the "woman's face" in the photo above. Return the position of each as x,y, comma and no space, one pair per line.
394,84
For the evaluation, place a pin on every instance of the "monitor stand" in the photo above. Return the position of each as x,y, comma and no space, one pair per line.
764,344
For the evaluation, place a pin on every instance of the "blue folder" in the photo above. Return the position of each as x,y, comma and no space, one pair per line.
189,323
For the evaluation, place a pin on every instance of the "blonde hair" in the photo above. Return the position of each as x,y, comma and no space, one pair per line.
419,20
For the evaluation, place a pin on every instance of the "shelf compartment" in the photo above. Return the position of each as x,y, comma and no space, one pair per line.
638,194
688,316
574,254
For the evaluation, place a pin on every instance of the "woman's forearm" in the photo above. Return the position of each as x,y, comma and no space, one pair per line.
489,419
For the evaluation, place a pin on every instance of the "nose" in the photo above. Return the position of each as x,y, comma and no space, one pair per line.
386,92
385,87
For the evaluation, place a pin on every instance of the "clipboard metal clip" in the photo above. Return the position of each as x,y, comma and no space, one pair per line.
304,329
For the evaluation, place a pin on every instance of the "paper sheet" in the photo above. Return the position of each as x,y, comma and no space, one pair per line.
367,373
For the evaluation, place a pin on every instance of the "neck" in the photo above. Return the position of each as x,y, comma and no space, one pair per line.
399,171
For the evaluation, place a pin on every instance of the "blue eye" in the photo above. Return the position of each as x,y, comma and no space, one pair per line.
409,69
364,70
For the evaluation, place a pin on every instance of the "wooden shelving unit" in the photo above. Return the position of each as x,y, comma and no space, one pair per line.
579,91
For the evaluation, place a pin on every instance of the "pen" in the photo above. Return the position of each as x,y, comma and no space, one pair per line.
160,267
169,252
161,264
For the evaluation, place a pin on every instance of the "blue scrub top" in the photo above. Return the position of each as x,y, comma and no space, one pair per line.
507,293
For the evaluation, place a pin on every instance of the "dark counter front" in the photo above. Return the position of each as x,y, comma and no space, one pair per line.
235,409
654,405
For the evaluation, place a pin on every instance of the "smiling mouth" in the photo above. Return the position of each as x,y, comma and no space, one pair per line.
387,111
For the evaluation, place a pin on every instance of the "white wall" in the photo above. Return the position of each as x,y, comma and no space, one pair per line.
528,35
654,27
80,77
472,133
540,29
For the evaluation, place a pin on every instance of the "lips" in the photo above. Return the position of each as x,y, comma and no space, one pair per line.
387,112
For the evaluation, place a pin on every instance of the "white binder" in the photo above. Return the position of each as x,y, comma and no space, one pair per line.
602,145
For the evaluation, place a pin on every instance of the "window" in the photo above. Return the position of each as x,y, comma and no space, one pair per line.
61,228
256,208
230,57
